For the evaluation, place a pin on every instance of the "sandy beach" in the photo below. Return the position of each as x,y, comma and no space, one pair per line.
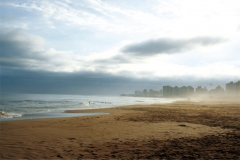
181,130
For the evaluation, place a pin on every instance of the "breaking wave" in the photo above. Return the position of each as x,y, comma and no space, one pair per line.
9,115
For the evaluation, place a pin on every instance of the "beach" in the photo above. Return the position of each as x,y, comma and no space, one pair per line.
203,129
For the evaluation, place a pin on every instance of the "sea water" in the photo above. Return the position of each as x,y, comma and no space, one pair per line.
34,106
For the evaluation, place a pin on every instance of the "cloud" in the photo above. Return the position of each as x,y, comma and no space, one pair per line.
29,52
118,59
62,11
19,49
168,46
16,44
238,28
88,14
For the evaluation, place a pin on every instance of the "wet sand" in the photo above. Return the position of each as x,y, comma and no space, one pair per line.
180,130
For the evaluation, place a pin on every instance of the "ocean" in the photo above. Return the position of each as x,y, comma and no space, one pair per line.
36,106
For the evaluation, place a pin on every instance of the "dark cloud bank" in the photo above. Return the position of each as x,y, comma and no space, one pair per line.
168,46
87,83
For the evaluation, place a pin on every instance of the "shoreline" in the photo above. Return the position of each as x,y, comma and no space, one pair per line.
201,130
92,111
52,112
38,116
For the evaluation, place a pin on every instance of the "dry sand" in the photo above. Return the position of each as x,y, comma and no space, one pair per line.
181,130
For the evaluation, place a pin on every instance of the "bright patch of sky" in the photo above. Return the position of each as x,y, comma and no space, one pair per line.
147,38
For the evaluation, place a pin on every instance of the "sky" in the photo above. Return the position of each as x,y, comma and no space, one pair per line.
114,47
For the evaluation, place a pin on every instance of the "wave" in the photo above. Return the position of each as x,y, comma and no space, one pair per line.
39,101
103,102
94,103
85,103
9,115
39,107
